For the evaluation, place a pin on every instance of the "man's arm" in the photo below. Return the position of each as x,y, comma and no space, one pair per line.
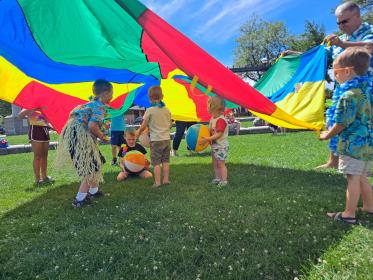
336,41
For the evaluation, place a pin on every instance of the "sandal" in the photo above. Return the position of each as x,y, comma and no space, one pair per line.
156,186
166,183
338,217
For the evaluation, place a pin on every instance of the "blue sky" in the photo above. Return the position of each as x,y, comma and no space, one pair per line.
214,24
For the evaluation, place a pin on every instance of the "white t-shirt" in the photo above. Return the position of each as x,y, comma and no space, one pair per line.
219,124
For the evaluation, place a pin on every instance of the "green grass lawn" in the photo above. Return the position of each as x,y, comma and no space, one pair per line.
269,223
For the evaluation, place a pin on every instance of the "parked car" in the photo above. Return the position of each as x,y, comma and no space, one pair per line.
2,130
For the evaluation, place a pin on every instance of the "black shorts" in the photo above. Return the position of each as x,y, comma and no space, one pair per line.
38,133
117,138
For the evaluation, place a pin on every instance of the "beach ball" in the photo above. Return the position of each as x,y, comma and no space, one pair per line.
134,161
194,136
144,139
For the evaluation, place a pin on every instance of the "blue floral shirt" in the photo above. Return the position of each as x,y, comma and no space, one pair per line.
354,112
363,34
94,111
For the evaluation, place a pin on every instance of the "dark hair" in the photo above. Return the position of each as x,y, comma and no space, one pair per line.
101,86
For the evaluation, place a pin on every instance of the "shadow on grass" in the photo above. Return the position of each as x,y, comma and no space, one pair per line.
269,223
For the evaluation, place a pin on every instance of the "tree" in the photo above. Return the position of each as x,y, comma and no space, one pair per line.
366,7
5,108
260,42
314,35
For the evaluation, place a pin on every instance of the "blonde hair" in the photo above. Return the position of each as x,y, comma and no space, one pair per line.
356,57
155,93
215,104
130,132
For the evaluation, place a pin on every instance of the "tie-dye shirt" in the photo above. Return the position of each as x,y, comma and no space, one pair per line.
37,118
354,112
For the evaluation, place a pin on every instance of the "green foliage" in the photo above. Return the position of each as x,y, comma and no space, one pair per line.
269,223
5,108
313,35
258,40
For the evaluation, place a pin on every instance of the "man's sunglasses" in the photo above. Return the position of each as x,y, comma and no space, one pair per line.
343,21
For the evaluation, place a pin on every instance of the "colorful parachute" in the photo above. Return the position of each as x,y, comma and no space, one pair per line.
51,51
296,84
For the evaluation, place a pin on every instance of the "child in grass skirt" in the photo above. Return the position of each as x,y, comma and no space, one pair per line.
79,140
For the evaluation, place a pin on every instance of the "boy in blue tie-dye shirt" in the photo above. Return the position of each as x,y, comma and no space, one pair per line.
354,127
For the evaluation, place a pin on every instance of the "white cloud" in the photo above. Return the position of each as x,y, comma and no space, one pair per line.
166,9
228,18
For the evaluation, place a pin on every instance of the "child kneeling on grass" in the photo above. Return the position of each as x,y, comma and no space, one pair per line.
354,125
158,119
79,140
219,139
131,145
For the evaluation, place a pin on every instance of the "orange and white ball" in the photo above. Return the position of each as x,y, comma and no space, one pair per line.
134,161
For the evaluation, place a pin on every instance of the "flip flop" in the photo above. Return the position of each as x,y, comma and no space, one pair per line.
338,217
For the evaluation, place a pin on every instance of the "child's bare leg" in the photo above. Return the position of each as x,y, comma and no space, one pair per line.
166,172
157,175
366,194
44,159
146,174
331,163
216,168
222,170
37,148
84,186
114,152
352,195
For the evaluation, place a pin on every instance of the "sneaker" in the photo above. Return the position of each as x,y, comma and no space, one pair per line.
114,162
96,195
38,183
79,204
173,153
215,182
48,180
222,184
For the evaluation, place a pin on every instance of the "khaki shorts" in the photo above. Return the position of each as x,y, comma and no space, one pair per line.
351,166
160,151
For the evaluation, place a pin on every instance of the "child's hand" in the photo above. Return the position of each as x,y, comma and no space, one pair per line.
204,141
105,139
324,135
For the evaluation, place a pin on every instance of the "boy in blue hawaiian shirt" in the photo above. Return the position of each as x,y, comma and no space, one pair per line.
354,126
79,140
